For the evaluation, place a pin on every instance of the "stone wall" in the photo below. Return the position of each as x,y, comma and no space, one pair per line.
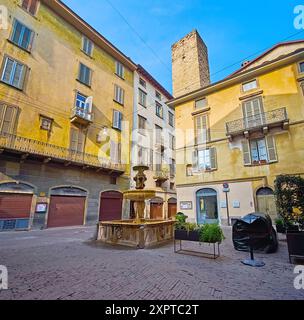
190,64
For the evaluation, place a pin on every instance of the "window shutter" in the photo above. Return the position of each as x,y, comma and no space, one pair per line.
74,139
271,149
33,7
246,153
81,140
202,135
151,158
8,119
25,4
119,152
195,159
114,152
19,76
8,68
213,158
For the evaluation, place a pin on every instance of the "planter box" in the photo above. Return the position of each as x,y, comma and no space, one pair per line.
295,242
186,236
280,228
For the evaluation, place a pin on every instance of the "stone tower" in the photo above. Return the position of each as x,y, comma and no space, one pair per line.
190,65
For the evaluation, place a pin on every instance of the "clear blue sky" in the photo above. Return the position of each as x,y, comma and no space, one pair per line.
232,30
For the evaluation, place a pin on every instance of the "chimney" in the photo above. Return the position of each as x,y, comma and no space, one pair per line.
190,65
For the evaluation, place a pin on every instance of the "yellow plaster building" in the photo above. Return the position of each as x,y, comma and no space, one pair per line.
238,134
63,89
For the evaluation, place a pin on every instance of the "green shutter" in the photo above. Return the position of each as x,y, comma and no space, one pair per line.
246,152
213,158
271,149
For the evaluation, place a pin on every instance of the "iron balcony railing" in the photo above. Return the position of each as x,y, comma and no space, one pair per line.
82,113
53,152
257,121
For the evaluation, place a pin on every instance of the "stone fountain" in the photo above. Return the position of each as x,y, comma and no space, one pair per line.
140,232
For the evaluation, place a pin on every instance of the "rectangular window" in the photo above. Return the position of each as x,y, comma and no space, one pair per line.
30,6
8,117
87,46
158,162
83,106
13,73
158,134
202,129
22,36
119,69
200,104
141,123
172,167
206,159
142,98
159,110
77,139
117,120
253,113
142,82
249,85
301,67
143,155
259,151
171,119
171,141
85,74
119,94
158,95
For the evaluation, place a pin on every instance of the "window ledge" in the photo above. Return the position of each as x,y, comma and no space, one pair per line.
117,129
86,54
251,94
87,85
16,45
11,86
121,104
260,164
117,75
32,15
197,112
142,105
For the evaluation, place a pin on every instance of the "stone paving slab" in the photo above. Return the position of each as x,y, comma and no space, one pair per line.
65,264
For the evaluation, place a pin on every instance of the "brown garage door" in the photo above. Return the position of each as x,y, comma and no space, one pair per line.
156,210
15,206
66,211
110,206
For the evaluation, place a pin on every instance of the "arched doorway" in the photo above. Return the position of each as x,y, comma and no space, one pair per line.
110,206
172,208
156,208
266,202
67,207
207,206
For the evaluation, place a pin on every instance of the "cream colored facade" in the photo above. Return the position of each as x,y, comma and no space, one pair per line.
254,137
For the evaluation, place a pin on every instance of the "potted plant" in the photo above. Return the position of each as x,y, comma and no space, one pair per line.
280,225
211,233
289,191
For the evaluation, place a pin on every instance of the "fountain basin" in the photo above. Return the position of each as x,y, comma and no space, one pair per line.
139,195
130,233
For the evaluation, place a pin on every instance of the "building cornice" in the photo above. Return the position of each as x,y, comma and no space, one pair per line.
83,27
238,78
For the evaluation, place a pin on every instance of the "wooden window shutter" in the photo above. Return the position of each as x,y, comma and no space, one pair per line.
119,152
74,139
195,159
271,149
8,120
81,140
213,158
151,158
33,7
25,4
202,132
246,153
2,110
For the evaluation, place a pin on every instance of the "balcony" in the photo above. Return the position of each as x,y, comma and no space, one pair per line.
29,148
263,121
81,116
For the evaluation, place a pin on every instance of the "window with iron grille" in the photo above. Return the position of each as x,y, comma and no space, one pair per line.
85,74
22,36
13,73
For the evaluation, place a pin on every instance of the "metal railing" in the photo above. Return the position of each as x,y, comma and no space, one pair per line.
47,150
257,121
82,113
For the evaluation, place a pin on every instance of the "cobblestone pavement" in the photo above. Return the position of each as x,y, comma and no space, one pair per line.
64,264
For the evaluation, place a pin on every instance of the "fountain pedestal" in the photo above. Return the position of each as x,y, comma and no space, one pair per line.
139,233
